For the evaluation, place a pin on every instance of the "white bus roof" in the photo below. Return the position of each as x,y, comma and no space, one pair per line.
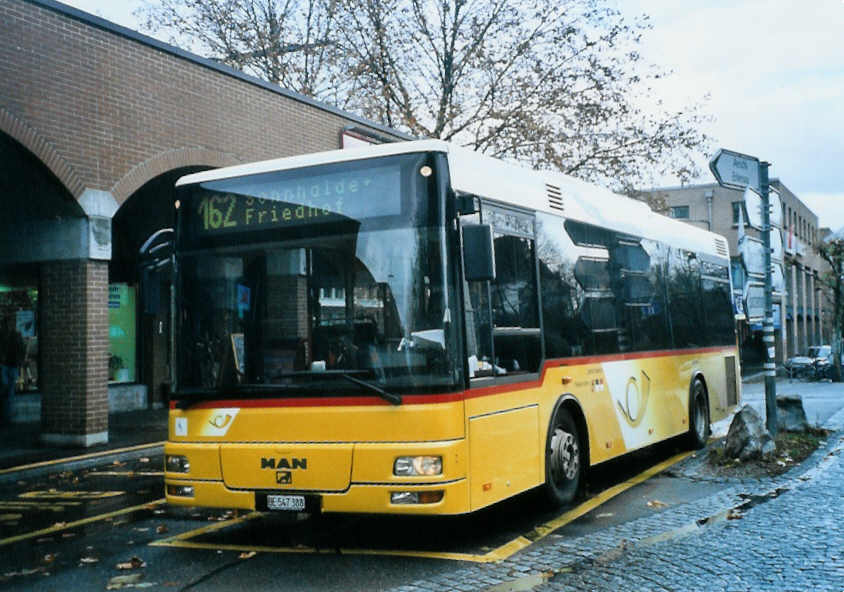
488,177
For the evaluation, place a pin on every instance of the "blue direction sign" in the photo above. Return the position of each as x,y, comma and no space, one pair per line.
735,170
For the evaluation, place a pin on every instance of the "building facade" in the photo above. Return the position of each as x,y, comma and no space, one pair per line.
802,308
97,122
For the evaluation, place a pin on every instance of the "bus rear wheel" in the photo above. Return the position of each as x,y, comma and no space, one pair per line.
698,416
563,459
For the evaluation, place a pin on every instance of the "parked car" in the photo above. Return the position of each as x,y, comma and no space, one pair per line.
816,364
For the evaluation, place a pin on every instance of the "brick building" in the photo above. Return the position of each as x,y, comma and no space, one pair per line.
806,317
96,124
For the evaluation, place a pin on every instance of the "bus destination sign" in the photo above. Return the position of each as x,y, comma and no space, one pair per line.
237,205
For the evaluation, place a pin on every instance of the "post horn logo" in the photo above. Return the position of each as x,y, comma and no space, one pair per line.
635,399
220,420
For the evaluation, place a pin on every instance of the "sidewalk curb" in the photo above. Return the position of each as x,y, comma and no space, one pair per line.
76,463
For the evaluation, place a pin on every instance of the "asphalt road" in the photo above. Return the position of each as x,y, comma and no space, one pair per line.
81,530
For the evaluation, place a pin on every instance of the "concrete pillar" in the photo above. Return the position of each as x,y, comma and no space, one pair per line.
805,311
795,338
783,326
820,315
814,329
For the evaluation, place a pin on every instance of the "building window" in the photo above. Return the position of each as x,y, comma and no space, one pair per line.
736,206
680,212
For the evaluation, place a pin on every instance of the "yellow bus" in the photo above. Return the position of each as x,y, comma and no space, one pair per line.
414,328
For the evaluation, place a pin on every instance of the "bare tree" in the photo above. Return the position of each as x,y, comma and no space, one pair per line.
556,83
553,83
286,42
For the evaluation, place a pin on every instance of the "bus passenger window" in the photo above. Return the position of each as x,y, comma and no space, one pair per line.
514,305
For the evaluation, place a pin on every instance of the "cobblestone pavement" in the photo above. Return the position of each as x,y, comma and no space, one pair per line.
783,533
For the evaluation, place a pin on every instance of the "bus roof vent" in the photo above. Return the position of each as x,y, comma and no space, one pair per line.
721,247
555,197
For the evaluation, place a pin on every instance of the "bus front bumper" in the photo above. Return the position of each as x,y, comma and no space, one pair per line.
368,498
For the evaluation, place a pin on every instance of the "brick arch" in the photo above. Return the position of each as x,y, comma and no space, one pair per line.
161,163
26,135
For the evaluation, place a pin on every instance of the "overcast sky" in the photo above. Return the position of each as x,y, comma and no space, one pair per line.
773,69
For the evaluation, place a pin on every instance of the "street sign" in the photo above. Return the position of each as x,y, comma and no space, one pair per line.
742,171
753,207
735,170
752,252
754,302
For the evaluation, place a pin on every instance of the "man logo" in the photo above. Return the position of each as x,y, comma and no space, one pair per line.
284,463
284,477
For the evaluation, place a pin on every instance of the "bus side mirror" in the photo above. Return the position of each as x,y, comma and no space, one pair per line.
478,253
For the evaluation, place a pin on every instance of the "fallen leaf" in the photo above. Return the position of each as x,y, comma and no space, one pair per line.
59,524
49,558
161,529
23,572
143,459
247,555
130,581
133,563
118,463
657,504
734,514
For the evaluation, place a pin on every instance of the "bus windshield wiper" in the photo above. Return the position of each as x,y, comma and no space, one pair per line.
387,396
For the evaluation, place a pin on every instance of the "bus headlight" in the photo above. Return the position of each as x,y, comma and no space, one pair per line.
408,466
175,463
416,497
180,490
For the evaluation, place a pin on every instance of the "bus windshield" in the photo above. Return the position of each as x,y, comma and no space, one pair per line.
325,280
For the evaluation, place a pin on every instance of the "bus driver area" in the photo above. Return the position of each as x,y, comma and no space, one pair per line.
491,535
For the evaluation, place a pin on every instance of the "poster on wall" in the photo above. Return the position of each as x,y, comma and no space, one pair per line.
25,323
121,332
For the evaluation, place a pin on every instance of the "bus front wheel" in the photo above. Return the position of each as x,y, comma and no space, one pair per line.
698,416
563,459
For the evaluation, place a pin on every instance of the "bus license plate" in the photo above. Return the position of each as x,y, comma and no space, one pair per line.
289,503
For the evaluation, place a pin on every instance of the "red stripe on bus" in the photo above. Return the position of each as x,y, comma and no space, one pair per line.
456,396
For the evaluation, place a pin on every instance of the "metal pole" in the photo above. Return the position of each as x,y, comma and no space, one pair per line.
768,326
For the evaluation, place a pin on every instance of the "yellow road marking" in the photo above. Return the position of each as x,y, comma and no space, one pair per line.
25,505
67,525
499,554
47,463
209,528
71,495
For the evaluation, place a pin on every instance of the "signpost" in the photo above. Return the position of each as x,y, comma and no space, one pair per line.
744,172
